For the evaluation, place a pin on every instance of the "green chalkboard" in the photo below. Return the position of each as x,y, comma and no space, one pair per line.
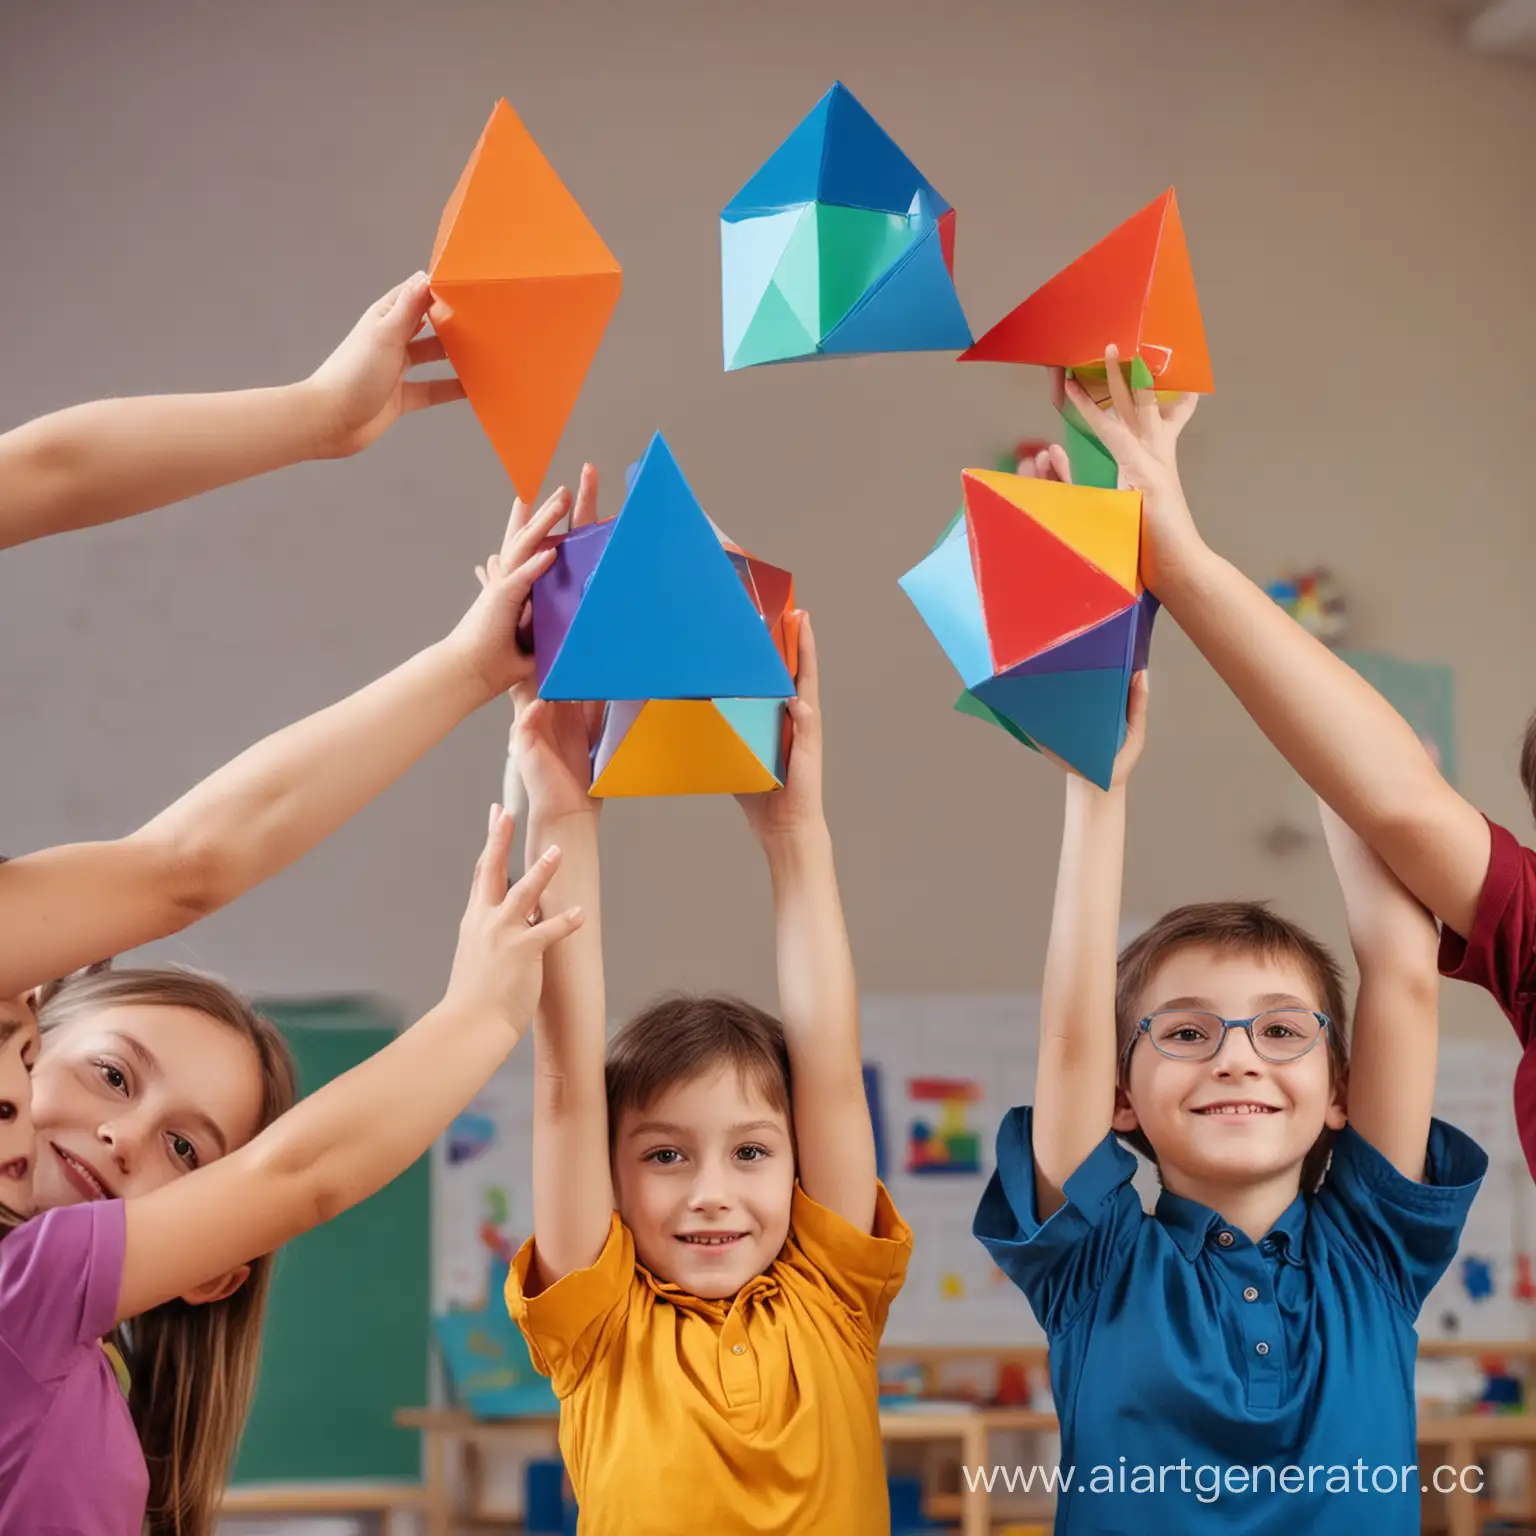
349,1321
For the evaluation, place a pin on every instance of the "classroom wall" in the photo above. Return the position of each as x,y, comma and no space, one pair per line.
202,196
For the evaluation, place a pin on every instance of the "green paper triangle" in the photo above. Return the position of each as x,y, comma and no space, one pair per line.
774,334
969,704
798,274
1092,463
855,247
947,526
1141,375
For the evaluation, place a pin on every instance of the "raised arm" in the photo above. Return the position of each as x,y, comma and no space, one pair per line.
111,459
1354,750
1077,1072
818,992
573,1197
72,906
1397,1024
365,1128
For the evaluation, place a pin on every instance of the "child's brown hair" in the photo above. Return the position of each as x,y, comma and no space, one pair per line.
681,1037
1234,928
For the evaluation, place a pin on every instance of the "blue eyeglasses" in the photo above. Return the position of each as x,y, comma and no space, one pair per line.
1280,1035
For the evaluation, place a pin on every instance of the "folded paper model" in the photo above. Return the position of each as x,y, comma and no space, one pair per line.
838,246
524,288
1033,593
1134,289
691,641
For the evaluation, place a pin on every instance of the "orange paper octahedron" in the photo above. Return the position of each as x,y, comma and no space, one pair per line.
524,288
1135,288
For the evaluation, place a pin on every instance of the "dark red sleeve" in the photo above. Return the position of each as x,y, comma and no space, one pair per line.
1500,956
1500,952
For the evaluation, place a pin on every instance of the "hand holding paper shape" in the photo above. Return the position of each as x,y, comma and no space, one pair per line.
691,639
524,289
838,246
1033,593
1135,288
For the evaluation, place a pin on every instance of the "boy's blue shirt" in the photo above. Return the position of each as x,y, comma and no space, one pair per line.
1178,1343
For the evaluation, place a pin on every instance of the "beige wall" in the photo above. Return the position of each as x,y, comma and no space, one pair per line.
199,195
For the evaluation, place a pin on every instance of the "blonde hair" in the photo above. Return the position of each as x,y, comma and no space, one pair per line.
193,1368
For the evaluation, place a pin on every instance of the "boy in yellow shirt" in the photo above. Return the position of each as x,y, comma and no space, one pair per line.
713,1255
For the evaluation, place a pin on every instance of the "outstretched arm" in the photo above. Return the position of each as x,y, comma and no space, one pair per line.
573,1198
72,906
354,1135
1354,750
1397,1024
1077,1072
818,991
112,459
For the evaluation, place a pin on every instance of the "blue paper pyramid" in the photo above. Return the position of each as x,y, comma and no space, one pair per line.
664,614
837,247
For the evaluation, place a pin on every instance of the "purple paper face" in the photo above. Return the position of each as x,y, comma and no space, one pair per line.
1146,612
558,592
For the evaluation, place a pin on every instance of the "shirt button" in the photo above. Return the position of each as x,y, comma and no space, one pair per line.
1251,1293
738,1349
1261,1348
1224,1238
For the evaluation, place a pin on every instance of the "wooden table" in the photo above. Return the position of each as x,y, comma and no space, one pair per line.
1459,1439
455,1441
338,1498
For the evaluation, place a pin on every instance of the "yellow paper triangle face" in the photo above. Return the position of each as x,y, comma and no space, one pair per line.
1104,527
682,747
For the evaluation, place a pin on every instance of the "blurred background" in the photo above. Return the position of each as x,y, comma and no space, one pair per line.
199,197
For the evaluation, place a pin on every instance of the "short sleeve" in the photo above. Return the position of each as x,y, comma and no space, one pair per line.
1059,1263
60,1277
1499,954
865,1270
1408,1231
572,1322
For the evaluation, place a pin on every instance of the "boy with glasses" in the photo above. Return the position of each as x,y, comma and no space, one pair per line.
1259,1321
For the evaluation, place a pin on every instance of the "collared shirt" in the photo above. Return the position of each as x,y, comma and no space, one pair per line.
1206,1382
754,1414
1499,954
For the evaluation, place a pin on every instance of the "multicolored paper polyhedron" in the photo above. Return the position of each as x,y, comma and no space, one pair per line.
524,289
1033,593
691,641
838,246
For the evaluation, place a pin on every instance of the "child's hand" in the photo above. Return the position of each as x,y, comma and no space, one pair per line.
361,390
1130,749
796,808
553,739
1142,434
1135,730
550,745
499,965
488,634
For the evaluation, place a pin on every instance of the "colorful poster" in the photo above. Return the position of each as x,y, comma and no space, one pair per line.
940,1139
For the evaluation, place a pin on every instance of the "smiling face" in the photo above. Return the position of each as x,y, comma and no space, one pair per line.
18,1055
1236,1119
129,1097
704,1177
